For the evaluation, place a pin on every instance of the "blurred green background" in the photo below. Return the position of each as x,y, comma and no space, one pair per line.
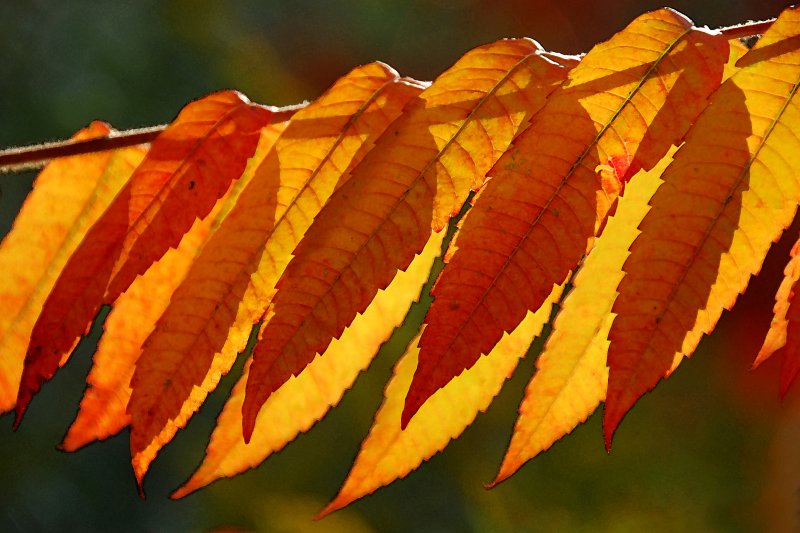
711,449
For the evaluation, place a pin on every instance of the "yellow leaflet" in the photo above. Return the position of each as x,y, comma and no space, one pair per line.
389,453
69,195
102,411
229,286
571,377
304,400
730,191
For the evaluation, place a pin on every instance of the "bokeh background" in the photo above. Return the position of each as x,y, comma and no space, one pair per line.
712,449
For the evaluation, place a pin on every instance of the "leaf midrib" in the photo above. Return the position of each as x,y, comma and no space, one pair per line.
328,154
161,194
60,251
400,200
558,189
707,234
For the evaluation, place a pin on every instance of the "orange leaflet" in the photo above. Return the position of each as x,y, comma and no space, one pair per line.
103,408
229,286
67,197
388,454
303,401
571,376
188,168
737,50
729,193
417,176
620,110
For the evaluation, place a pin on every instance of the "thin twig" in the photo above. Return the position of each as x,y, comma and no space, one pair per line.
29,157
34,156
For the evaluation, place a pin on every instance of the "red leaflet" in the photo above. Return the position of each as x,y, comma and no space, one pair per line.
627,101
418,175
68,196
189,167
730,191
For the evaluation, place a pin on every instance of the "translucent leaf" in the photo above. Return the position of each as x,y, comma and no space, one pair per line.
389,453
621,109
230,284
571,376
188,168
102,411
306,399
68,196
416,177
730,191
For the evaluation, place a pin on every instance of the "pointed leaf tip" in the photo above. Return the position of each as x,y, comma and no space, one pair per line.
549,194
289,185
19,412
611,421
248,426
167,192
414,400
711,222
302,402
388,453
416,177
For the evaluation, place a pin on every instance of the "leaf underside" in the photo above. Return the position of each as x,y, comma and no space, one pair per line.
659,168
188,167
626,103
730,191
228,287
416,177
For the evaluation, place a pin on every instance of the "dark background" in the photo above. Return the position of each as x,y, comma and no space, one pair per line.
711,449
